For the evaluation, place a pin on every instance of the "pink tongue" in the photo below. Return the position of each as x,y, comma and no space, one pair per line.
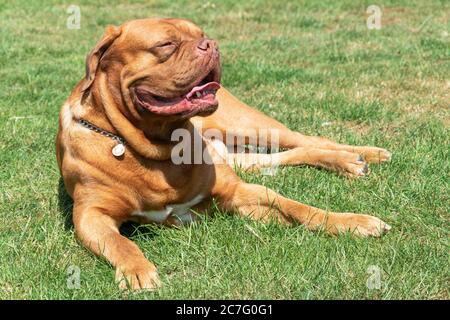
208,86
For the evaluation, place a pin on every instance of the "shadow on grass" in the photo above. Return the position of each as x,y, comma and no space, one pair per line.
128,229
65,205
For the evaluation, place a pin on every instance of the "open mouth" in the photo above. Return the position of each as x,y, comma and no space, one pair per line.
200,99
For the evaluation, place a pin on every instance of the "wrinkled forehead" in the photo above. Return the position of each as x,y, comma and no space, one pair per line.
153,30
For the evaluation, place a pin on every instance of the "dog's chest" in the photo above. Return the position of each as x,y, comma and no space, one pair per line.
177,213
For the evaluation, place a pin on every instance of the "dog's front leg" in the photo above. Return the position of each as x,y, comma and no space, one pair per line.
99,232
261,203
346,163
233,115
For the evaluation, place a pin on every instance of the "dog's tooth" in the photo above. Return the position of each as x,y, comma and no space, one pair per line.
198,94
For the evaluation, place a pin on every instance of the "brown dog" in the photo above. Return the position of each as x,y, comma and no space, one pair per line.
145,80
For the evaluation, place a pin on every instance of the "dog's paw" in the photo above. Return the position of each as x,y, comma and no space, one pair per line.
349,164
355,168
362,225
374,154
138,277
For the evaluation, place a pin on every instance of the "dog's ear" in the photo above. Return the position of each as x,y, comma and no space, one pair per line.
94,57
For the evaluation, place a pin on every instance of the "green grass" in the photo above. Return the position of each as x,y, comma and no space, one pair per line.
312,65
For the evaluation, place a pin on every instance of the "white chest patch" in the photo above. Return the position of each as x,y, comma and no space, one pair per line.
179,211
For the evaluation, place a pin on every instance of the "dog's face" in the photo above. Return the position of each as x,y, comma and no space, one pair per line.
163,67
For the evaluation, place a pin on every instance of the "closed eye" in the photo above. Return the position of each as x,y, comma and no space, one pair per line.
165,44
164,49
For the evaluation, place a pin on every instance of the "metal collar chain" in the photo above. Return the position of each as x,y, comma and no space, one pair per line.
119,149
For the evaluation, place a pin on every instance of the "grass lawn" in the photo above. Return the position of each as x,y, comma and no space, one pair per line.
313,65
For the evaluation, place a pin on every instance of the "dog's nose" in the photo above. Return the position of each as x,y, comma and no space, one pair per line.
206,44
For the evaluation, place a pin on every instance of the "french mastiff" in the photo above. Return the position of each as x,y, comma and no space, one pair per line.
145,80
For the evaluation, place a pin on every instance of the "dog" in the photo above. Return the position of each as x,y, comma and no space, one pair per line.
146,80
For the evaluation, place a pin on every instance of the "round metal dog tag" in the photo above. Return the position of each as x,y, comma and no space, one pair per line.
118,150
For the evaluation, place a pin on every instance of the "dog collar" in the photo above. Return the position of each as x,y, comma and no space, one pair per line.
119,148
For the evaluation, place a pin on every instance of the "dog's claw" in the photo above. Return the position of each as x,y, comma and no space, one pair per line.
365,170
141,277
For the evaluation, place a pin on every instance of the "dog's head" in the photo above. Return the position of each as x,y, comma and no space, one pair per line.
158,68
